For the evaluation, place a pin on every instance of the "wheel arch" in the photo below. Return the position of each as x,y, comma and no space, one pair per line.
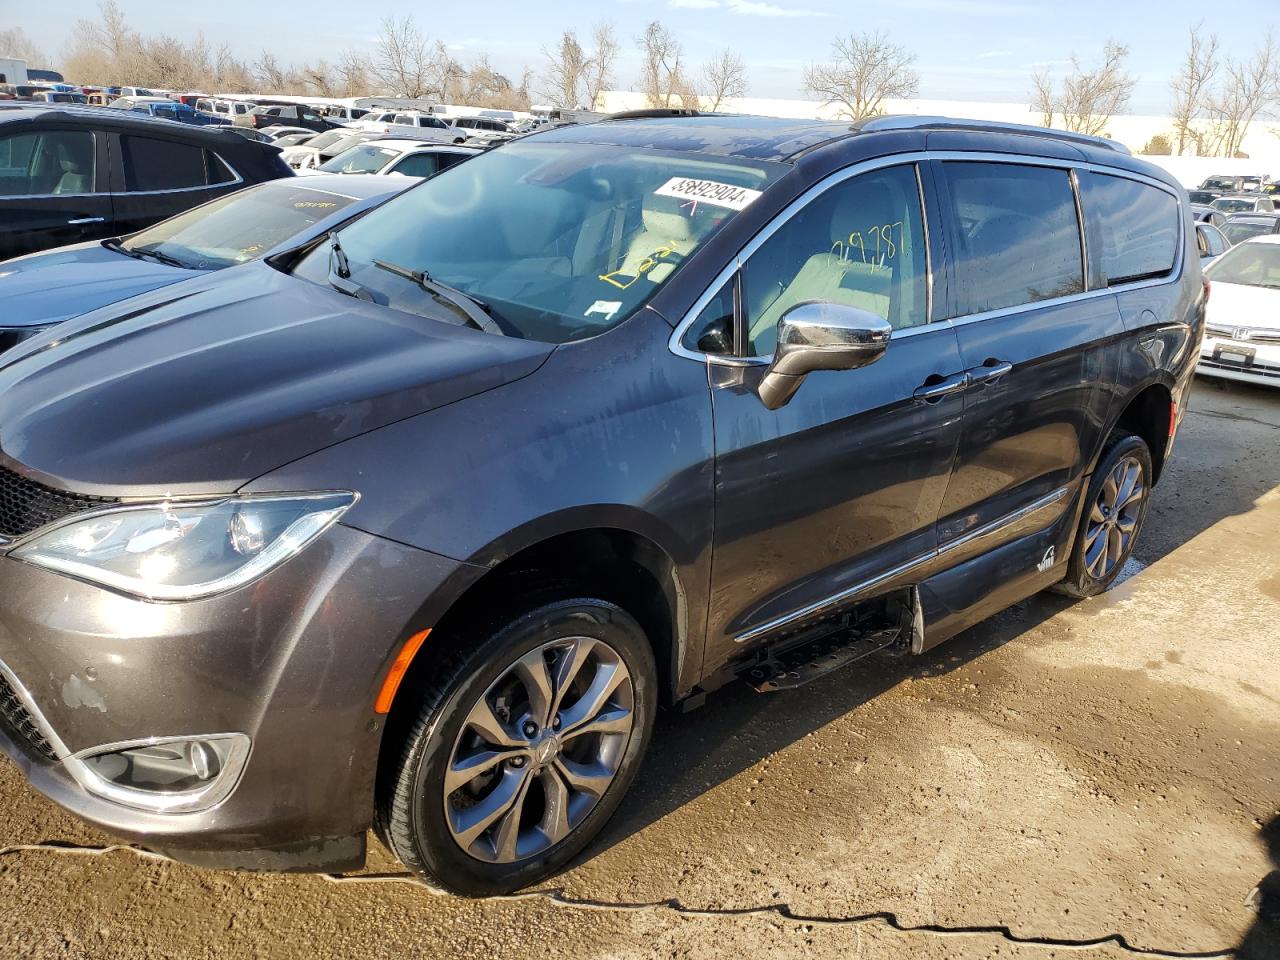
1146,412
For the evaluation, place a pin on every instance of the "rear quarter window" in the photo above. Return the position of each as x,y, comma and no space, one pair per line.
1133,228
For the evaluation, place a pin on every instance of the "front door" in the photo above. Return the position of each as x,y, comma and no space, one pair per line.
818,499
158,178
53,189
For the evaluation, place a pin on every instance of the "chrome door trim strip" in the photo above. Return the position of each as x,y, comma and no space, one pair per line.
834,600
866,586
994,526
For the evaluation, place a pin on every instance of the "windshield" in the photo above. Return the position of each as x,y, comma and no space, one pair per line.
365,158
1251,264
328,138
238,227
1239,230
559,241
1232,204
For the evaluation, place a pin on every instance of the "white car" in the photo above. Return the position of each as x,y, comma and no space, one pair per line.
483,128
323,146
391,156
1242,327
415,123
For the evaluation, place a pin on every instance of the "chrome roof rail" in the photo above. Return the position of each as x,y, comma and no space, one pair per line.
913,122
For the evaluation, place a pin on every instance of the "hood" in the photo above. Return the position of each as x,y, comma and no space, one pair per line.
49,287
201,387
1241,305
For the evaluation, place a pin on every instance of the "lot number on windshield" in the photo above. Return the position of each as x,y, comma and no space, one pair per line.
708,191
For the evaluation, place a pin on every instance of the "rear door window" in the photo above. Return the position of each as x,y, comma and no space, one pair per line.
151,164
1133,228
1016,235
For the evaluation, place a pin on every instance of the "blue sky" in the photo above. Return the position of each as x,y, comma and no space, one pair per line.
967,49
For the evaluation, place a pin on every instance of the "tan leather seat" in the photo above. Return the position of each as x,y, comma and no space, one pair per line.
847,272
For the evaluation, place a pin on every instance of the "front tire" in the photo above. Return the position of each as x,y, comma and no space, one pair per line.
1114,510
523,748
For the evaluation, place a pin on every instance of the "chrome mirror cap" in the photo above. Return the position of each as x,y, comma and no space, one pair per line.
821,336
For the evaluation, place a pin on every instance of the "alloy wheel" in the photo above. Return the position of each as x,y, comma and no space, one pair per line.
538,750
1114,517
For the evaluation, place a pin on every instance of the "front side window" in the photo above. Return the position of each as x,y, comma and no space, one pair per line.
560,241
38,163
417,165
861,244
238,227
1016,232
161,164
1133,228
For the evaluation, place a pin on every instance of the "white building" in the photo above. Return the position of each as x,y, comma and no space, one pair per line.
1262,143
13,70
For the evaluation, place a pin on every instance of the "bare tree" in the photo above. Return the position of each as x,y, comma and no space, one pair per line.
271,74
1090,98
352,74
15,43
866,69
599,73
567,66
404,61
1191,87
662,73
724,77
1249,87
1043,97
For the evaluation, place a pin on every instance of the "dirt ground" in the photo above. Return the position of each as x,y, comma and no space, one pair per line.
1097,779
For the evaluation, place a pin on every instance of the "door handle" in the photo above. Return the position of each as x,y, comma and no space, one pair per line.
81,221
932,392
989,371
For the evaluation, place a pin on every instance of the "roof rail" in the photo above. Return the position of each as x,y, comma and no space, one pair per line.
912,122
655,112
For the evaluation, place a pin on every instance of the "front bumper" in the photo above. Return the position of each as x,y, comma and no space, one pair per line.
294,661
1244,360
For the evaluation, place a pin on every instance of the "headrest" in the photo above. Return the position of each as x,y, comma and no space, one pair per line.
674,225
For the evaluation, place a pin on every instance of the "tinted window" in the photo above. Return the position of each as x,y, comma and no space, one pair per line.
1133,228
218,170
161,164
418,165
447,160
861,243
1237,230
51,162
1017,235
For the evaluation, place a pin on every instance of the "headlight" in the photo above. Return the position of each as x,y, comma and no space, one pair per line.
176,551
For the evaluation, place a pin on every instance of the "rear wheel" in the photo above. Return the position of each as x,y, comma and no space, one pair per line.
523,749
1115,507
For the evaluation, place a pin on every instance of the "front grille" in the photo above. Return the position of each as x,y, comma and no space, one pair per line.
26,505
17,720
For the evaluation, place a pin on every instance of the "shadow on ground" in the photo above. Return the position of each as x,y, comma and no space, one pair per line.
693,753
1262,942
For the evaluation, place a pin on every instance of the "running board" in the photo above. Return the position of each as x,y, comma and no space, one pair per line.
808,661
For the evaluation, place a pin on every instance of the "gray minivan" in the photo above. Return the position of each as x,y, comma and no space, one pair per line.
416,526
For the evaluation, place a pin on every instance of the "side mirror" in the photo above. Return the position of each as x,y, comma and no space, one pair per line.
821,336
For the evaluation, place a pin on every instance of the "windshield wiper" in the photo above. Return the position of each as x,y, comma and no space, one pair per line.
139,254
475,310
339,279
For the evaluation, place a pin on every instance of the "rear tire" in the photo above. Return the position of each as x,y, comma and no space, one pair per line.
1114,510
536,763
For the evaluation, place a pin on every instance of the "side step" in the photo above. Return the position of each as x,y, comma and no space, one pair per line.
808,660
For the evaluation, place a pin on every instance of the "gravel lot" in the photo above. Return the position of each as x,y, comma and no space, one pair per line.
1095,779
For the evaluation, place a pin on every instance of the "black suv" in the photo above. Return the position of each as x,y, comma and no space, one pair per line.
418,525
69,174
267,114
